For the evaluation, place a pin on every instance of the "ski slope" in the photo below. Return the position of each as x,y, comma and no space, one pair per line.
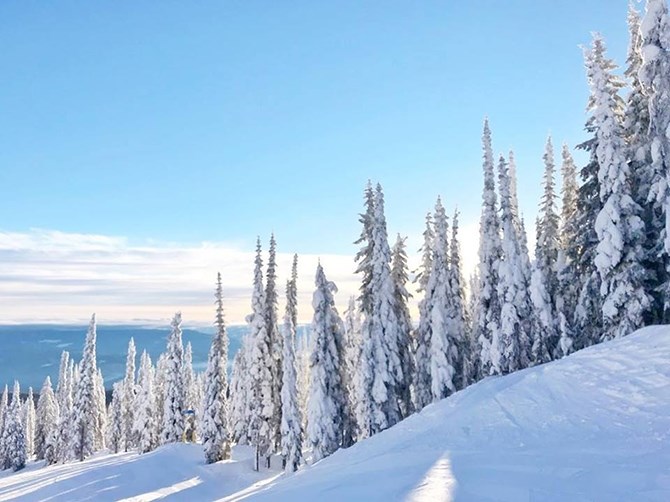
592,426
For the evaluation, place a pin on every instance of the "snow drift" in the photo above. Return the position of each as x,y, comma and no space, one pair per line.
592,426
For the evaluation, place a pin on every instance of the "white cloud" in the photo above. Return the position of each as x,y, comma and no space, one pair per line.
52,276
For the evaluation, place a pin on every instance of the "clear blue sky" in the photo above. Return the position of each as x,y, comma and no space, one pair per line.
220,120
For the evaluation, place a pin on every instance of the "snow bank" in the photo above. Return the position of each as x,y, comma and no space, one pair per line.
592,426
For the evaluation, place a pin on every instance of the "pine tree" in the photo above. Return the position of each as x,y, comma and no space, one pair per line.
619,227
352,356
144,425
399,275
291,424
128,399
515,337
4,411
188,379
422,379
568,278
173,420
459,316
443,345
276,339
654,78
116,439
239,396
100,411
46,419
159,394
216,424
547,247
14,439
381,373
259,367
85,425
327,404
486,315
29,423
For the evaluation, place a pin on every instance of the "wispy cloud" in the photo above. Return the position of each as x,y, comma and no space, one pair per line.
48,276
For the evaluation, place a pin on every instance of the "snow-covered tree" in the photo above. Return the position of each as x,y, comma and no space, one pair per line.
173,420
115,438
619,226
486,315
100,411
459,315
188,379
381,372
259,367
291,424
327,404
516,309
443,345
129,391
215,422
85,423
654,77
46,419
276,341
352,355
400,277
422,394
29,423
14,440
145,426
159,394
239,396
548,245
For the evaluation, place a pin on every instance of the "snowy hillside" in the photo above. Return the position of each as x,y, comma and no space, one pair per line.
592,426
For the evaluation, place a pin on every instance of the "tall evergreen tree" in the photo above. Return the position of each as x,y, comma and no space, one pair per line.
14,434
400,277
159,394
29,423
486,315
116,437
259,366
173,420
189,380
327,404
276,340
129,391
422,394
459,316
85,423
654,76
46,419
381,371
515,337
352,356
216,423
619,227
145,428
291,424
239,395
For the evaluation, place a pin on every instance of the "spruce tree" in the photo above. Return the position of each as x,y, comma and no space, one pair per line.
352,356
159,394
14,434
422,379
443,344
459,316
129,391
188,379
173,420
239,395
116,439
399,275
276,340
654,76
291,424
216,423
85,424
327,405
46,419
486,315
259,368
145,426
29,423
619,226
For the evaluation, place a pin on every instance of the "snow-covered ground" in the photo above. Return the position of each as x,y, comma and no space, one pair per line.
593,426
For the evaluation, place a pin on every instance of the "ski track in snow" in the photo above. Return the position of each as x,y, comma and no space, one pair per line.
594,426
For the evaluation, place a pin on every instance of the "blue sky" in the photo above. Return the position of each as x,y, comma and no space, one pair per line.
184,122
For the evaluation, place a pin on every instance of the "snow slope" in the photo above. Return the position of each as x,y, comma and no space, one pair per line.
592,426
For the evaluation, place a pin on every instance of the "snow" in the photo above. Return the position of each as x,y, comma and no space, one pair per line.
592,426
